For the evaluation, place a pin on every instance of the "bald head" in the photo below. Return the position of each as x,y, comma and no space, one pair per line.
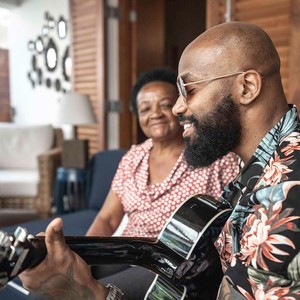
232,47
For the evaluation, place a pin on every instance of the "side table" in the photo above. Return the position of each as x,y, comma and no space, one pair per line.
70,190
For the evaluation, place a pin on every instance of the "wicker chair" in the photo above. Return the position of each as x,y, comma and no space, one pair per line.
41,204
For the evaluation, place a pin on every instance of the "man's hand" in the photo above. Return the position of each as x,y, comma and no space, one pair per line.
62,274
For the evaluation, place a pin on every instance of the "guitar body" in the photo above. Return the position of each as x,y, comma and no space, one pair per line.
191,233
183,257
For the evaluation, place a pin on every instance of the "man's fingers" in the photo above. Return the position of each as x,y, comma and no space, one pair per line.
54,239
41,233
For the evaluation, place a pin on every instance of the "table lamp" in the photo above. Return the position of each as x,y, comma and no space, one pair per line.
74,109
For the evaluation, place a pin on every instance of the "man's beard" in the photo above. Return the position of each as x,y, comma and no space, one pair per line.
217,133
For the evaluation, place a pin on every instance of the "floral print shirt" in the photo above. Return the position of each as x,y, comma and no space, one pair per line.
260,243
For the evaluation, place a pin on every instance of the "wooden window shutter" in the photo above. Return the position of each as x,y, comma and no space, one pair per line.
281,20
87,26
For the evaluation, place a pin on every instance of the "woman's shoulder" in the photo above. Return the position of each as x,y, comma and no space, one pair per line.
142,147
138,150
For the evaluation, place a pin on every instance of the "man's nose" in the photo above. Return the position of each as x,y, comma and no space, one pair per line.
179,106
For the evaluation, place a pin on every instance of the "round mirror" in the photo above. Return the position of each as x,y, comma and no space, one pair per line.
51,55
51,22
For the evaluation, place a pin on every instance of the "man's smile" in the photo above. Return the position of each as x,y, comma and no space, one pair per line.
188,129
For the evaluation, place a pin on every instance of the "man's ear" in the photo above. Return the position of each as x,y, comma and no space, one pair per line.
251,82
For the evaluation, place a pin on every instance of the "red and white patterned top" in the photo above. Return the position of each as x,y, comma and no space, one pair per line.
150,206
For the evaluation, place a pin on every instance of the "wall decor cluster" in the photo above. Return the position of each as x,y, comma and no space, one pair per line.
51,64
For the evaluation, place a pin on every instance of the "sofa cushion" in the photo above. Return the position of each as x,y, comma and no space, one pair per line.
21,144
76,223
101,171
19,183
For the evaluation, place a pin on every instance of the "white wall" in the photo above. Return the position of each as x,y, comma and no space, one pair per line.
34,105
4,21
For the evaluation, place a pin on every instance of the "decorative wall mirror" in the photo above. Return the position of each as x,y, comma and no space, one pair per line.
45,30
30,79
51,55
47,50
51,22
67,65
46,15
33,62
39,45
31,45
48,83
40,76
61,27
57,85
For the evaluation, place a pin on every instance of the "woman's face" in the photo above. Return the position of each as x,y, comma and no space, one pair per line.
154,103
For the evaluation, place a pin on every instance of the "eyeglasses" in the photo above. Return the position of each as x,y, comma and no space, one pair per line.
181,85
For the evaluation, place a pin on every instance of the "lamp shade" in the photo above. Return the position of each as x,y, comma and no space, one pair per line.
75,109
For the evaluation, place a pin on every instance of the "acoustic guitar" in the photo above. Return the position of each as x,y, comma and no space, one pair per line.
183,256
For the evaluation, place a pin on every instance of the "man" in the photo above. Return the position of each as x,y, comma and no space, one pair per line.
231,98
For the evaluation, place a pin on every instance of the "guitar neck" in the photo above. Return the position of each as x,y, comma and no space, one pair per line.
148,253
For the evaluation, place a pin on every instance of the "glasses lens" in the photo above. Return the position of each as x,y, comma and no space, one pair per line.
181,88
178,88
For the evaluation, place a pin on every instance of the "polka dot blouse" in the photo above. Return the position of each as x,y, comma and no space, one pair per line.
150,206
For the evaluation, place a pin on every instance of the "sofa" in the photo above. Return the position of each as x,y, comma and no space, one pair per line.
29,157
101,170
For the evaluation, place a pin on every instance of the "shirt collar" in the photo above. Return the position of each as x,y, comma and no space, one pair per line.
251,172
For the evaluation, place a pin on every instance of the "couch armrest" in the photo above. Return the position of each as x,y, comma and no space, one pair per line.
48,162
